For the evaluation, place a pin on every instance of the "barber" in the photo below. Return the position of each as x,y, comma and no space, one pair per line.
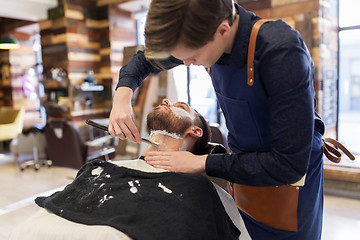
275,169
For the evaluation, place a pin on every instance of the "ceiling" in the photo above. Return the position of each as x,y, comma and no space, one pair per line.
36,10
30,10
135,5
23,13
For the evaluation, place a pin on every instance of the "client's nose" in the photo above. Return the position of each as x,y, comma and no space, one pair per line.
166,102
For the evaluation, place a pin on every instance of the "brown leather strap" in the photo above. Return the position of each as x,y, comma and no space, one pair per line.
330,151
251,50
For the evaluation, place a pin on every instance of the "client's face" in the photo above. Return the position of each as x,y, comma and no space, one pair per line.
172,118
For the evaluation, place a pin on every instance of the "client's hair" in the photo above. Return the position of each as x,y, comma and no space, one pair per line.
201,145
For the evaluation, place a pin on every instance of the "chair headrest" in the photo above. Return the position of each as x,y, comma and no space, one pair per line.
214,148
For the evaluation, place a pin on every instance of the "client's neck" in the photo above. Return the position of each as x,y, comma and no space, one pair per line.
166,141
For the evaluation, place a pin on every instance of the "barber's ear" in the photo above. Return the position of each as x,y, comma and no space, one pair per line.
195,132
224,28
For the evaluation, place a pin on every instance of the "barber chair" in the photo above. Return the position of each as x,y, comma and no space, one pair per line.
215,148
31,141
11,123
218,145
217,136
66,148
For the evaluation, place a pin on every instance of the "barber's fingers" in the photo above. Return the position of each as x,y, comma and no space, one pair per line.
123,131
160,161
158,156
129,131
115,131
164,167
162,158
178,161
133,130
124,127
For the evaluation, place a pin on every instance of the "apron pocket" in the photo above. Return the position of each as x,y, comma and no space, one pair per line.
240,122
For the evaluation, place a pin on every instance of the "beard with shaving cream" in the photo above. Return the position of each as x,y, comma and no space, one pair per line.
167,121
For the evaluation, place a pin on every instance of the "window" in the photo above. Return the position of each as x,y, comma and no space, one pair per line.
194,87
349,78
140,27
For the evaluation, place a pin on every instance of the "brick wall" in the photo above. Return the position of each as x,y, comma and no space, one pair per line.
80,36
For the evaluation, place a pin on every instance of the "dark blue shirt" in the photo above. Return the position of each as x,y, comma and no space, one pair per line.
284,69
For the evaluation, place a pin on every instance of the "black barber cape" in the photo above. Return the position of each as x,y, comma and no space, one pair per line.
143,205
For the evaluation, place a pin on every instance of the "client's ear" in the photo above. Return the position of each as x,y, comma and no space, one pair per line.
195,132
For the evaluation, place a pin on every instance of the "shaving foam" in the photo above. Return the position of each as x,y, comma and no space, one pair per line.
184,147
180,113
164,132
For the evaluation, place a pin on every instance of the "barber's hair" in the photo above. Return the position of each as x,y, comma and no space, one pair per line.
192,23
201,145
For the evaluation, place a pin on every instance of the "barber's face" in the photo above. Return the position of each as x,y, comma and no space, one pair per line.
205,56
173,118
208,54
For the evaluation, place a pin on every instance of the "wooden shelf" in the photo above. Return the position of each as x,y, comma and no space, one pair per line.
89,112
94,88
47,89
340,173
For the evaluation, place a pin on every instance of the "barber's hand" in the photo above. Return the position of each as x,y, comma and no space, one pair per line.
179,161
121,122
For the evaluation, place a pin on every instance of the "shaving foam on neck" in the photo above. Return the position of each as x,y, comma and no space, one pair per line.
184,147
164,132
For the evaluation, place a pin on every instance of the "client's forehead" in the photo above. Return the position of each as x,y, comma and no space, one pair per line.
183,105
186,107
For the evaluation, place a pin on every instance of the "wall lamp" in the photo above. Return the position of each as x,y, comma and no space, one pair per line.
7,41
